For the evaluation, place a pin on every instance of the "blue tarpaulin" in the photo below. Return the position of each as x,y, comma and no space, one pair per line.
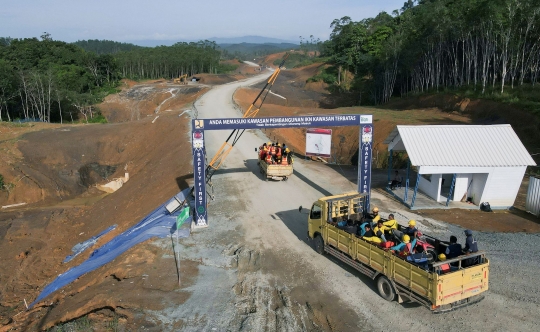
82,246
160,223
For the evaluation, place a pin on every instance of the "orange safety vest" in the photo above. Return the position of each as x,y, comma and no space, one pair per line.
284,160
408,249
272,150
269,158
278,151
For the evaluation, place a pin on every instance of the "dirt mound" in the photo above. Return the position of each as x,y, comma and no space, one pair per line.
56,166
269,59
149,99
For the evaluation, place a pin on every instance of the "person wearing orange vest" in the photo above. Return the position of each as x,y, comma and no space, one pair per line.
405,247
278,153
272,149
268,158
285,156
262,151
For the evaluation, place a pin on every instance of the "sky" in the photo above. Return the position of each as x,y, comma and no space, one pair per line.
180,20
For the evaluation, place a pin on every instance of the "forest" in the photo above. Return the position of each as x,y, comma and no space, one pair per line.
433,45
53,81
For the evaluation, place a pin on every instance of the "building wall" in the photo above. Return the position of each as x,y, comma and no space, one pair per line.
502,186
477,187
497,185
430,188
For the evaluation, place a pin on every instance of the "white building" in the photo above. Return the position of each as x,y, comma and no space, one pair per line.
482,163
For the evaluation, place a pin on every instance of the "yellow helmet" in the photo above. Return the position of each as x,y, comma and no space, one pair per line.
412,223
406,238
269,143
375,209
279,144
442,257
287,150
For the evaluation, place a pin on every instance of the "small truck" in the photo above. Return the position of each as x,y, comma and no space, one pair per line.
274,170
439,286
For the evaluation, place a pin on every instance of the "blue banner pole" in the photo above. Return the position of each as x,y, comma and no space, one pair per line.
365,159
199,173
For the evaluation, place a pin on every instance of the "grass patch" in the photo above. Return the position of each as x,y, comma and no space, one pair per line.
327,75
224,68
526,96
97,119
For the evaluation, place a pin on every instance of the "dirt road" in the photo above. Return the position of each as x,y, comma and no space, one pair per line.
259,273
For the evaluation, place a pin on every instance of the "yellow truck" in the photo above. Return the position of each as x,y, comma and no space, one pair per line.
439,286
275,171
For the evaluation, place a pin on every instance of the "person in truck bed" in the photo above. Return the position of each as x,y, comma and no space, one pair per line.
278,154
369,234
391,223
373,217
471,246
454,249
405,247
262,151
411,230
380,229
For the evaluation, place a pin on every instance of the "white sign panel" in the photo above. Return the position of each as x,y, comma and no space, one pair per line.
319,142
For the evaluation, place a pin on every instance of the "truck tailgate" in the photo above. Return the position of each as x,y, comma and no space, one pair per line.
462,284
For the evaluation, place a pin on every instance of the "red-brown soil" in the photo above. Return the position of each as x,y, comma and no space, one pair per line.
53,167
344,139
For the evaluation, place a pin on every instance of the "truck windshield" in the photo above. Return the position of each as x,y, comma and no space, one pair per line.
315,212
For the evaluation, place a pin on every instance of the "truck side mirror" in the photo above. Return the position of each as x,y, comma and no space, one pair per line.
255,149
300,209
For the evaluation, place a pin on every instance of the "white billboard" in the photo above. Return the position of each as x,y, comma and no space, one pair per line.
319,142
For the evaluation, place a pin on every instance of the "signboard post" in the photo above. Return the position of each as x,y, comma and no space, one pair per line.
199,174
365,157
199,126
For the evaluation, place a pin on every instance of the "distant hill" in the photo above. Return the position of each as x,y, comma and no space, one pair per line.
245,51
105,46
251,48
231,49
234,40
251,40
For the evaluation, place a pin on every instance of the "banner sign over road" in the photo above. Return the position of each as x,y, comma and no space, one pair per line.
328,120
364,122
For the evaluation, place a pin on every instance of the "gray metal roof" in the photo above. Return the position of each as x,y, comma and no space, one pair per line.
462,145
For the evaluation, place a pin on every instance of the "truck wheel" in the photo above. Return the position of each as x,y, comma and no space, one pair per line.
385,289
319,245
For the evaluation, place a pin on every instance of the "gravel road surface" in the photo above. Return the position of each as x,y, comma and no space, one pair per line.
258,271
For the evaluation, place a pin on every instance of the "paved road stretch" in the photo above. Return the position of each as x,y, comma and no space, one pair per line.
259,273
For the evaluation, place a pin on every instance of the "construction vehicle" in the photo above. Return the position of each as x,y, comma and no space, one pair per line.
439,286
274,169
182,79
